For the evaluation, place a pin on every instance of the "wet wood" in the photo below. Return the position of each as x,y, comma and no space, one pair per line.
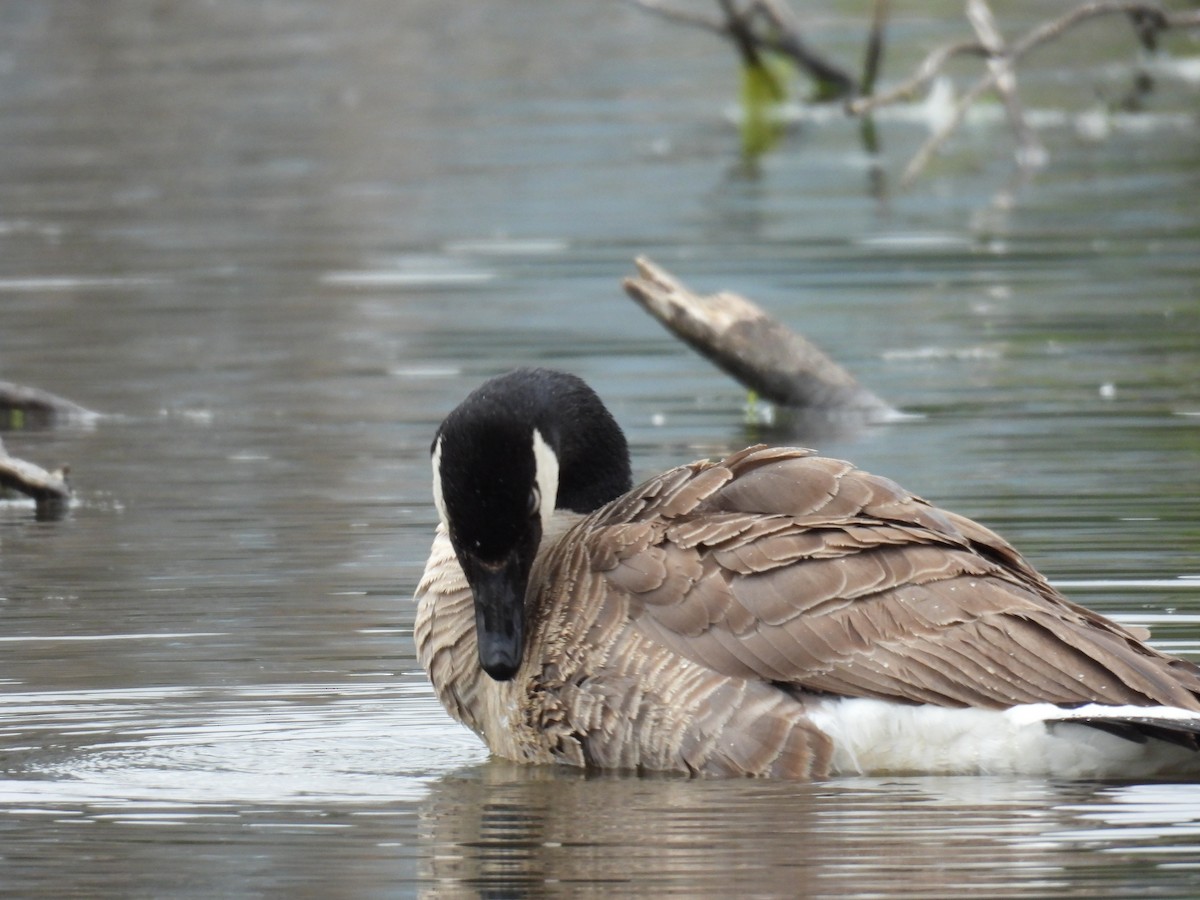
756,349
50,490
24,407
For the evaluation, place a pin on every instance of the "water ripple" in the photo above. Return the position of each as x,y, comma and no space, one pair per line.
170,751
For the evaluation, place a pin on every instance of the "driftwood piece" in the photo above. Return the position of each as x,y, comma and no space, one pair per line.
747,343
50,491
27,407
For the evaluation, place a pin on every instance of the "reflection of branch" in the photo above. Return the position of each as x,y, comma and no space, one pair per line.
781,35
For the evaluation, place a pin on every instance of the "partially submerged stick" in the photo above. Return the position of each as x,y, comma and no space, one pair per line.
746,342
27,407
50,491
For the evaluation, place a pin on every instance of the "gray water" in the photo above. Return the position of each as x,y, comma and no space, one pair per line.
274,243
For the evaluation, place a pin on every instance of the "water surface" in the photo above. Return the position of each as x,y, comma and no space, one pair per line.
274,243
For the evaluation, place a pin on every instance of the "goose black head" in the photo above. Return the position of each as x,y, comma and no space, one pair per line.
517,448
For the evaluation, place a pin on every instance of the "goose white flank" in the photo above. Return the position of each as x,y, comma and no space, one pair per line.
773,613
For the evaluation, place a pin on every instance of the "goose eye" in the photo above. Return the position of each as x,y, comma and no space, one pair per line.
535,501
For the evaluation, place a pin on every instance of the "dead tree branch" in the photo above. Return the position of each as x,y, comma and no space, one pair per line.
1001,63
873,58
1030,153
749,344
28,407
1147,16
929,69
50,491
780,33
755,26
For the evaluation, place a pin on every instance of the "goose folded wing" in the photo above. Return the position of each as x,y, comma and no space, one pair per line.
809,573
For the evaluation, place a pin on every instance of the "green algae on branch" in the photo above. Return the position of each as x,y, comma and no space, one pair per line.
765,84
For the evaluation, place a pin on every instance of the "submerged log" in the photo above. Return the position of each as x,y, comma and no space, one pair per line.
747,343
27,407
50,491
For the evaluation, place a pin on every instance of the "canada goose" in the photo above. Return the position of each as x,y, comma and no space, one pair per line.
773,613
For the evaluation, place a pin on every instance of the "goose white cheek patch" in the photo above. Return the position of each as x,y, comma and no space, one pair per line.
546,462
438,500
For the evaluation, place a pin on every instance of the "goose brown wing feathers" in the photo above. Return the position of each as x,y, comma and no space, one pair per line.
775,564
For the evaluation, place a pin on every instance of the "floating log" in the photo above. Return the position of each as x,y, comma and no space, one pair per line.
756,349
24,407
50,491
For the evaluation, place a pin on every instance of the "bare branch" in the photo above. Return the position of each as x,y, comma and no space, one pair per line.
1030,151
28,407
682,16
785,38
927,150
1147,15
737,28
873,58
49,490
1183,20
749,344
1150,15
782,36
928,70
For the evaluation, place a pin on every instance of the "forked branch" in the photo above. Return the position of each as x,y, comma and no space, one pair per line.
769,25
